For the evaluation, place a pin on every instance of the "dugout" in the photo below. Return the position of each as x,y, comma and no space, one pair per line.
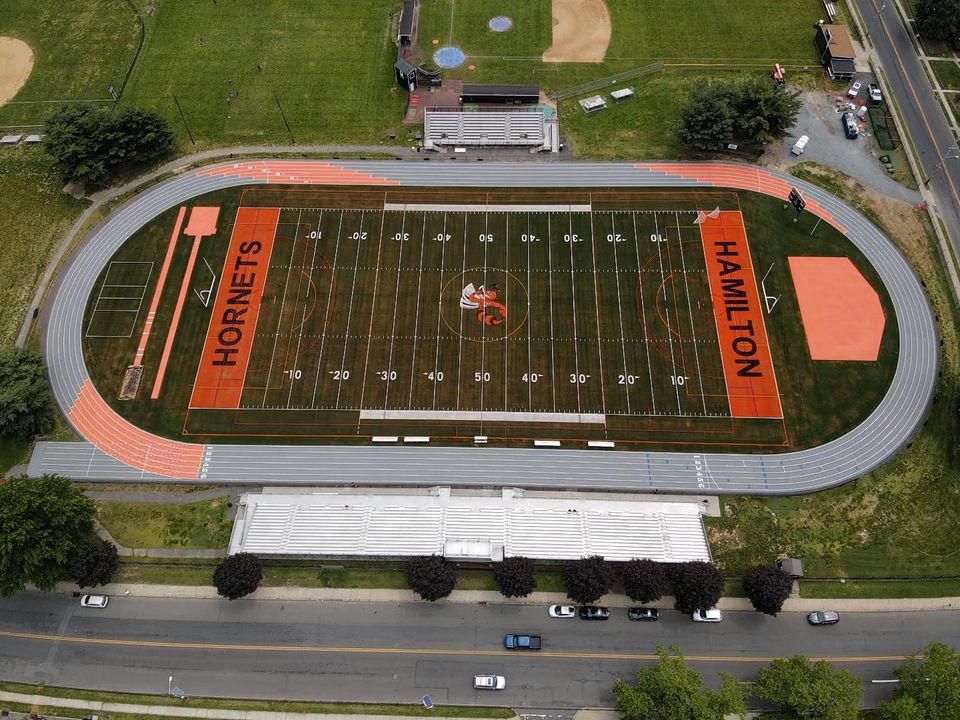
500,94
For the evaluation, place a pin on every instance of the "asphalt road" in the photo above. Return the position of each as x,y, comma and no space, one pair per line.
396,653
921,111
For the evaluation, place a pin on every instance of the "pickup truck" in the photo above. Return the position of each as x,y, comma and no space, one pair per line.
522,642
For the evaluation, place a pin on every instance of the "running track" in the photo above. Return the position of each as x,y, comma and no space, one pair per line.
116,450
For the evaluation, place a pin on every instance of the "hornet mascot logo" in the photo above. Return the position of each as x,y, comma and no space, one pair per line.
484,301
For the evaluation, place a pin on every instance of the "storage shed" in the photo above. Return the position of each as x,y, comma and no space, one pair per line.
835,50
500,94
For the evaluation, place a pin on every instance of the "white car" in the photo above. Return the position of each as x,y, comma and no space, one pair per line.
711,615
489,682
94,601
561,611
854,89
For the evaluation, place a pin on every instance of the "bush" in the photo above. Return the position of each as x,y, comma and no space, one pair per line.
95,563
643,580
588,580
432,577
26,408
515,577
238,575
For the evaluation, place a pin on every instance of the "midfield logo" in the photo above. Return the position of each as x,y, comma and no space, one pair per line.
484,301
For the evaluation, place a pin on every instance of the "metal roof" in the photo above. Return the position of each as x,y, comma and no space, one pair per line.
466,526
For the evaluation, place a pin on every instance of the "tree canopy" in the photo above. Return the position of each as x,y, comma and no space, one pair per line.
643,580
767,587
238,575
669,689
588,579
26,408
804,689
938,19
707,120
95,563
432,577
929,686
515,577
44,523
697,585
92,144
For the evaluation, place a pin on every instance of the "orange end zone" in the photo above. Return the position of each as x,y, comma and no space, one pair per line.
744,349
233,324
842,315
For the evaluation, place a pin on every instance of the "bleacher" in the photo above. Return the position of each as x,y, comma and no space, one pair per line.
445,128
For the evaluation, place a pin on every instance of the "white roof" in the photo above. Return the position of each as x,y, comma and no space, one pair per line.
468,526
622,93
594,102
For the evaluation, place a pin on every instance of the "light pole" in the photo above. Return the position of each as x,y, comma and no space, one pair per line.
953,152
883,6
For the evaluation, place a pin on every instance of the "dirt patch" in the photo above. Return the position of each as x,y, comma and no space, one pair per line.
581,31
16,64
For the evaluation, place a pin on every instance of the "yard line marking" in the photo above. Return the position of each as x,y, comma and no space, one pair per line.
483,325
463,270
553,367
643,313
393,327
373,310
573,297
276,335
506,320
529,321
436,354
326,309
693,329
666,312
596,298
353,287
303,315
416,322
623,344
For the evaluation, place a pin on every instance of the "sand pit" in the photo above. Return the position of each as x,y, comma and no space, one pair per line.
581,31
16,63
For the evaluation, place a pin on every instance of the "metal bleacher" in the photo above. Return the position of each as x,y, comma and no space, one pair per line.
521,128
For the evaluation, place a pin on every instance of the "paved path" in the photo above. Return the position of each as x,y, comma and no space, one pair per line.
883,434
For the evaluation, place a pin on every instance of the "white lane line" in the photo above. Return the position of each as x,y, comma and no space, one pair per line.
666,310
326,308
283,303
353,289
436,354
693,329
303,315
623,344
643,313
393,328
416,322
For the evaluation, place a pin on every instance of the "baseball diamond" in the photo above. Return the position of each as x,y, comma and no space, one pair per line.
477,310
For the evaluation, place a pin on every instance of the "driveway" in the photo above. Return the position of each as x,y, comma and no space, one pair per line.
820,120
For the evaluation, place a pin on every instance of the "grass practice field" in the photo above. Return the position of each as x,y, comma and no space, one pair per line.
336,314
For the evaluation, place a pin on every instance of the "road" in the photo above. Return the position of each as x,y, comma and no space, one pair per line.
922,113
396,653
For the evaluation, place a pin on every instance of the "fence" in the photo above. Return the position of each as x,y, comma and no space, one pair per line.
884,129
607,81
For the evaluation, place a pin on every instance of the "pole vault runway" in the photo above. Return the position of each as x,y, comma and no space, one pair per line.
115,450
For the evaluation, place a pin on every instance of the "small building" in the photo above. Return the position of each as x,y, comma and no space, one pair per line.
835,50
406,74
500,94
407,21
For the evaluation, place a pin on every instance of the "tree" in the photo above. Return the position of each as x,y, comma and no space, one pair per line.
707,120
804,689
588,579
432,577
44,523
238,575
671,690
95,563
643,580
768,587
26,409
92,144
929,686
938,19
515,577
697,585
764,111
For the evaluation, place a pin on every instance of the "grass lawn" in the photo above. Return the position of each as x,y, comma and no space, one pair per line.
948,73
151,525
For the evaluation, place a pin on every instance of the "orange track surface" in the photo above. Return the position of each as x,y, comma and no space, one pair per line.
305,173
103,427
842,315
233,323
158,291
744,348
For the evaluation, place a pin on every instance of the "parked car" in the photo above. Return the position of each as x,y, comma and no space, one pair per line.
849,122
800,145
648,614
522,642
592,612
711,615
94,601
489,682
873,92
823,617
561,611
854,89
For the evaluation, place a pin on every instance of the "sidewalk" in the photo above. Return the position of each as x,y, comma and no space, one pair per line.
494,598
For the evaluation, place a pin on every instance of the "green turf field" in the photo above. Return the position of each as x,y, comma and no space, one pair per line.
602,326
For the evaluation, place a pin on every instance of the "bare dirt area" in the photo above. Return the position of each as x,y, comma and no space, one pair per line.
16,63
581,31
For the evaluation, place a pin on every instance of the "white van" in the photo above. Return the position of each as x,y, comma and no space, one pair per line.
800,145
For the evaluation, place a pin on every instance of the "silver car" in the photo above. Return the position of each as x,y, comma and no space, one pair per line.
823,617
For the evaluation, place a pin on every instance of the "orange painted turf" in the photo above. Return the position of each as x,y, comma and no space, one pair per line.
842,315
744,348
233,324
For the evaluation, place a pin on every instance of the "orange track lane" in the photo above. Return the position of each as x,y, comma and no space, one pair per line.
744,348
113,435
304,173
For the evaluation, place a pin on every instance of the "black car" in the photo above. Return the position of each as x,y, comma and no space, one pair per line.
850,129
592,612
647,614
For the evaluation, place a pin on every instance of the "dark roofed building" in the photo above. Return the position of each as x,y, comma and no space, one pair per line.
835,50
407,17
501,94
